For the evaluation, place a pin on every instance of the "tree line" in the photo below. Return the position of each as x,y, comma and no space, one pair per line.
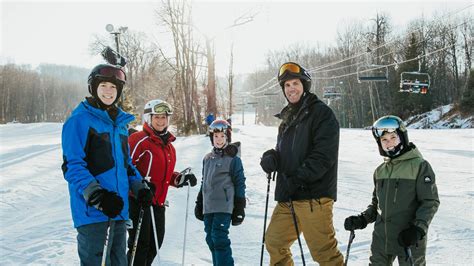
441,47
186,77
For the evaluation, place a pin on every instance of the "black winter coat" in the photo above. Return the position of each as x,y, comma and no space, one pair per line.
308,144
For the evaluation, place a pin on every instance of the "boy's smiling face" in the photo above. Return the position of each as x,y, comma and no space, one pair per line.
389,141
219,139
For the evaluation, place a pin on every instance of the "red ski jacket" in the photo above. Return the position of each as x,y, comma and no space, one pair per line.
155,160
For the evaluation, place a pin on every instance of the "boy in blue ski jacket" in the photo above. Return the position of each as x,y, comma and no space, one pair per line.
98,169
221,199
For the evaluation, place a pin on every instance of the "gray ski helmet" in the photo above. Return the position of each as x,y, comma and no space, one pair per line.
388,124
106,72
291,70
220,126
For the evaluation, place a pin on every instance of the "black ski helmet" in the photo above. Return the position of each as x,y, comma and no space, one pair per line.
388,124
291,70
220,126
106,72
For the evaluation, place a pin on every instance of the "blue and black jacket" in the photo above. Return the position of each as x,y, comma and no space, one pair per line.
96,155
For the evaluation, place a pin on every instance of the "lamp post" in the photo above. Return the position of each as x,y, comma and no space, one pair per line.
116,32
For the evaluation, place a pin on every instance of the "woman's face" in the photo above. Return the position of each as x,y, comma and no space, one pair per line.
159,122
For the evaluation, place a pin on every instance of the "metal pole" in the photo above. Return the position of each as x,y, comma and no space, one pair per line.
155,236
297,231
351,238
265,220
409,256
185,225
106,243
137,235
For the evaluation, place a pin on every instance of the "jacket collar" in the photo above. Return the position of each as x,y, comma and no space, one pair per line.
411,154
122,118
150,132
308,100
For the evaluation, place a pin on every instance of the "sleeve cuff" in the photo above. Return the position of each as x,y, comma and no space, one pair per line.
90,189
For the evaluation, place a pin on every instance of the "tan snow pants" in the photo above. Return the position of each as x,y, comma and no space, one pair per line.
314,219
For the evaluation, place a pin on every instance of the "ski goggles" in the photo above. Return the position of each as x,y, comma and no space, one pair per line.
219,126
290,67
161,108
386,125
112,72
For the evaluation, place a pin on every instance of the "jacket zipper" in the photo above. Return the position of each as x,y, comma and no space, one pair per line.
385,211
294,137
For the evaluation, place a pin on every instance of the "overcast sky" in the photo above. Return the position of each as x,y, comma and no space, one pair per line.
56,32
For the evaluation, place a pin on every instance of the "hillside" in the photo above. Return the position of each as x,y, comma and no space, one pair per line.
443,117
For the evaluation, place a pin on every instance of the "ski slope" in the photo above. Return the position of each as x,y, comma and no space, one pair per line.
36,226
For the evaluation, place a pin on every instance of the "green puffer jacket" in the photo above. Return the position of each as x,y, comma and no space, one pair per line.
405,193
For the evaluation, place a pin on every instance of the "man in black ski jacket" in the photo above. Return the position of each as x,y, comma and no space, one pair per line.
305,158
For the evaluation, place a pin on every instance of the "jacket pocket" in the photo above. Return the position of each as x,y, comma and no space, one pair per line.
98,152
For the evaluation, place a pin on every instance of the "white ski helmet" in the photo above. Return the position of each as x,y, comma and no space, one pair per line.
155,107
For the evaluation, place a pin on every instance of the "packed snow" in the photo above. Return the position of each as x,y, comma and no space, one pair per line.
36,225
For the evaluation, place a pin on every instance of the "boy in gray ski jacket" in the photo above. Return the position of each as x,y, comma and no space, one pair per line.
221,199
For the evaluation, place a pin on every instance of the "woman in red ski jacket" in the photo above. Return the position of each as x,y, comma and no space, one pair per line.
154,156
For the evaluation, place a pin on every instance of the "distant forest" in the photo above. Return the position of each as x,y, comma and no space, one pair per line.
439,46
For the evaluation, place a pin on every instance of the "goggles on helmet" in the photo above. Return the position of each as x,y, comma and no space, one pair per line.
219,126
385,125
160,108
291,67
111,72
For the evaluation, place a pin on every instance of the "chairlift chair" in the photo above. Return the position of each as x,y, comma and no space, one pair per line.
414,82
378,73
332,92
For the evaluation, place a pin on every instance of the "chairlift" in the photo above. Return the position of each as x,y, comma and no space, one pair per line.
414,82
332,92
375,73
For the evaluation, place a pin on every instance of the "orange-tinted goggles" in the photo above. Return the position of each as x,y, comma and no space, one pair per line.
293,68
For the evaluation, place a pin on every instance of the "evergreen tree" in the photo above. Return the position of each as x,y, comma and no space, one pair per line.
467,102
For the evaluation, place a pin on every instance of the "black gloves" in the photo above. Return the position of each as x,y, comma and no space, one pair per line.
107,202
238,214
410,236
145,197
291,185
183,180
355,222
198,209
270,161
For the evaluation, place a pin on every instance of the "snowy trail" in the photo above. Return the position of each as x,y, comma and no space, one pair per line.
36,226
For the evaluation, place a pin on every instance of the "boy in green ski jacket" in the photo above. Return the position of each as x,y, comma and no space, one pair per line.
404,200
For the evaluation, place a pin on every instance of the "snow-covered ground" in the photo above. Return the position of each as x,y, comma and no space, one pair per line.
36,225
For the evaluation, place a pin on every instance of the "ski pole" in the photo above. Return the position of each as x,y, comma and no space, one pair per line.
409,256
351,238
297,231
155,236
137,235
184,172
269,177
106,242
